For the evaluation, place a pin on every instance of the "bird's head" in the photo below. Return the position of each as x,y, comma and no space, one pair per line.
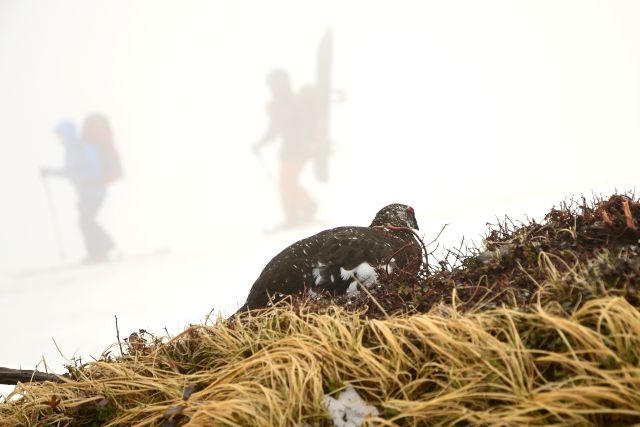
397,215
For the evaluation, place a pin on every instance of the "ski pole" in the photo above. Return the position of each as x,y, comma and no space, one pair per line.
264,166
54,220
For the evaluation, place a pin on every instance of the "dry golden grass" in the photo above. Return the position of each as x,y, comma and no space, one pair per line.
564,350
499,367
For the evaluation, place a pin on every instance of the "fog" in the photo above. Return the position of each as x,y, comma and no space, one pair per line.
464,110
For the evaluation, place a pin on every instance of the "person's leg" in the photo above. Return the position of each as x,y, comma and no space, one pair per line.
97,242
287,187
307,205
297,203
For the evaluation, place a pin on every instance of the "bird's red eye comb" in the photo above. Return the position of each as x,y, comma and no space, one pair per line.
411,211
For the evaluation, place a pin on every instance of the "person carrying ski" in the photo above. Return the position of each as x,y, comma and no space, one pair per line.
291,119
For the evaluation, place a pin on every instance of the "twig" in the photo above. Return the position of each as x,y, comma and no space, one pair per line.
118,336
375,301
605,218
438,236
395,228
206,319
627,215
14,376
402,248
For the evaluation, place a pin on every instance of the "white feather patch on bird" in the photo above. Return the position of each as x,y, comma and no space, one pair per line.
388,267
353,287
315,271
363,273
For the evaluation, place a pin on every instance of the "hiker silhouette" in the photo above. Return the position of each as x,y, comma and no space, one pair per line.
299,122
291,119
91,163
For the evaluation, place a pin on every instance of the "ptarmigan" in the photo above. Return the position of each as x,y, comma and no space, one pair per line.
337,260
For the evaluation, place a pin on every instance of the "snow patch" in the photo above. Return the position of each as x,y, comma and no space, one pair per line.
349,409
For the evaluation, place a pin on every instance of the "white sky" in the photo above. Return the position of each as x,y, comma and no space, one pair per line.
452,107
465,110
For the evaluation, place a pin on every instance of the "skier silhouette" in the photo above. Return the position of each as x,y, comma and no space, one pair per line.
87,166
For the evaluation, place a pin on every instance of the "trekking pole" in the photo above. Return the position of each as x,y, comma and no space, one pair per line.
54,220
264,166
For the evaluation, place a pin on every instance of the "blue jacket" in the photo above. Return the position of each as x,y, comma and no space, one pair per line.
82,163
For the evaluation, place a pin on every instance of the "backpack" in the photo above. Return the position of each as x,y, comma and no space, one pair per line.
97,131
111,164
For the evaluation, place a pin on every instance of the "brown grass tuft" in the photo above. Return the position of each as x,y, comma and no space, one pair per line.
544,330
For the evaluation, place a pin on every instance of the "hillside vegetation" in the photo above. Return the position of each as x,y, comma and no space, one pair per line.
540,326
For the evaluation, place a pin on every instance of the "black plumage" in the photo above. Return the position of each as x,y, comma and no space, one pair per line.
336,260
